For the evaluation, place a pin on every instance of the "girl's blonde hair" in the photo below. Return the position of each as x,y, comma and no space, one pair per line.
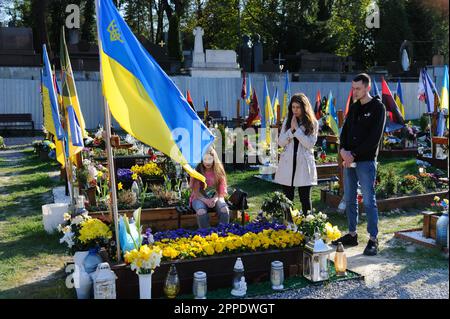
219,171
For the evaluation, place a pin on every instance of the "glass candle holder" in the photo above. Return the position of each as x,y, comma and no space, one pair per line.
172,283
199,285
277,275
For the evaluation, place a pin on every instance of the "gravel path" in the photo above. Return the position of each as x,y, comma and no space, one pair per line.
385,277
429,284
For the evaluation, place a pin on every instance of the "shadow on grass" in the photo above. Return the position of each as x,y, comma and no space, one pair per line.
29,206
30,243
51,287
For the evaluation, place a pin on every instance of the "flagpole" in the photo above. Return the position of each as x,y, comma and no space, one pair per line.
109,153
112,177
68,168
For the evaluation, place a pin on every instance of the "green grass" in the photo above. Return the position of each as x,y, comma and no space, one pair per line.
27,252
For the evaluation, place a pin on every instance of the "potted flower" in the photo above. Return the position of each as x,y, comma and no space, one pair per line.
81,233
150,173
315,222
277,206
143,258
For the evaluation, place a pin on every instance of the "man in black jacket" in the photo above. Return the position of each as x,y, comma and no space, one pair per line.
359,140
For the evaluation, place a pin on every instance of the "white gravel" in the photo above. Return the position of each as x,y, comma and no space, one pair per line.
429,284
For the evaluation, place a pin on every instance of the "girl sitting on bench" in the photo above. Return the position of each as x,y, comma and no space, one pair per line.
213,196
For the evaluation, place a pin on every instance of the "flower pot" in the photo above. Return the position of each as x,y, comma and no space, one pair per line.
53,215
145,286
441,230
82,280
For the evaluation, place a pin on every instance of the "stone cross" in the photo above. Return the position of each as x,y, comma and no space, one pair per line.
198,59
198,44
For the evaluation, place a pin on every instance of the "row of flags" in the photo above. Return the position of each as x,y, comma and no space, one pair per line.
62,113
325,107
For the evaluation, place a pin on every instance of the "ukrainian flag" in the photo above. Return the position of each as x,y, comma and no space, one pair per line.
268,113
286,96
276,106
69,90
142,98
399,98
331,118
52,121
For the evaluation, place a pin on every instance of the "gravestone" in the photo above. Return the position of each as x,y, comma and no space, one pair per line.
16,47
215,63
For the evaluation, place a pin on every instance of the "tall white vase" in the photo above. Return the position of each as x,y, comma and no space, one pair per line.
145,286
82,280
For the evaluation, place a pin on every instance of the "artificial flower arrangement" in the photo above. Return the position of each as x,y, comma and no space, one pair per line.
144,258
315,222
439,205
81,232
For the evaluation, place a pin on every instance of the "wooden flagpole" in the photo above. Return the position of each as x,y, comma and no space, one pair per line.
109,154
112,177
68,163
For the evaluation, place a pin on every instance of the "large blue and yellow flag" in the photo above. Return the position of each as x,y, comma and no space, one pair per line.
286,96
399,98
142,98
52,121
331,117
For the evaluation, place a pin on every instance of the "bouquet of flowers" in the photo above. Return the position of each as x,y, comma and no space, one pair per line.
143,258
440,205
81,232
315,222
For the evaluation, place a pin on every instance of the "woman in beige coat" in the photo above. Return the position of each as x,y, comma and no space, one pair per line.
298,135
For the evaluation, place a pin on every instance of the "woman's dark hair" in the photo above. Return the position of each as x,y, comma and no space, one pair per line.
308,119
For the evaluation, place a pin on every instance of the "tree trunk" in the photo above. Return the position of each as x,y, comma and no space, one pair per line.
150,18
